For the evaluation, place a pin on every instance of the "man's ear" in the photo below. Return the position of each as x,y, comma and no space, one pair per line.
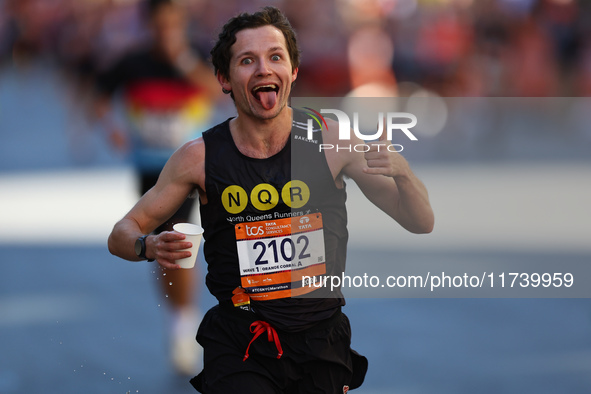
294,74
224,83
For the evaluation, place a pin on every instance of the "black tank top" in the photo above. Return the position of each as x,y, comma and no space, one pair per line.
250,202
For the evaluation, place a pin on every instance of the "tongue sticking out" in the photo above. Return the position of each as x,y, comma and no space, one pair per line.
268,99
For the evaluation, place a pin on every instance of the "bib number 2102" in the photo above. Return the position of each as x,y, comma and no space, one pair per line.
287,248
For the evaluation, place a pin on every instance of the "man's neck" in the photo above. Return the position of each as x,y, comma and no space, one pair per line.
259,138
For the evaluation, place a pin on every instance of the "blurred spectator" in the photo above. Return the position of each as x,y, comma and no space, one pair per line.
532,68
168,93
371,53
444,40
30,27
323,40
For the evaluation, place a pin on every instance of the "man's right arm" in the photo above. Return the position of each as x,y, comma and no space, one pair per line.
183,172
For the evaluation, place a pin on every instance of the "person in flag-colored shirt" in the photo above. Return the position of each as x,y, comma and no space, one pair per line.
168,96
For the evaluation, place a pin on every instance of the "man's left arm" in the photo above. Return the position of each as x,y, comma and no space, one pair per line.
386,179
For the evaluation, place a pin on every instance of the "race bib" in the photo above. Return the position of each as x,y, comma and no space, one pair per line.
274,256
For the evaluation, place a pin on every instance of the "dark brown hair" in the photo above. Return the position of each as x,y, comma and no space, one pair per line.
222,51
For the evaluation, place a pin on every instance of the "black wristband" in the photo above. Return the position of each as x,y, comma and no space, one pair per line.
140,248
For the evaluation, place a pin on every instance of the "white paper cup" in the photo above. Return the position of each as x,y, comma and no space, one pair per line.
193,234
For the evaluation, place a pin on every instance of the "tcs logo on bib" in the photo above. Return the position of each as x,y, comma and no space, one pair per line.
295,194
253,231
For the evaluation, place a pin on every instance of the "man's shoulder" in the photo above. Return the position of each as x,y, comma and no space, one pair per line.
340,154
189,155
330,133
193,149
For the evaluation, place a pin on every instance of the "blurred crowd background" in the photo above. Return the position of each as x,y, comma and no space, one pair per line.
363,48
456,48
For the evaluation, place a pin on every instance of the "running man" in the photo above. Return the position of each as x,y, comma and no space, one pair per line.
168,93
247,183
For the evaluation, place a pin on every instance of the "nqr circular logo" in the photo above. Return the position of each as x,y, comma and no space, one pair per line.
264,196
234,199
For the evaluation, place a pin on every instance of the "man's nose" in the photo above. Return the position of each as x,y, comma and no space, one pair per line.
263,68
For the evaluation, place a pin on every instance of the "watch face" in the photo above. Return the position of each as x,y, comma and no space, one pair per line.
138,247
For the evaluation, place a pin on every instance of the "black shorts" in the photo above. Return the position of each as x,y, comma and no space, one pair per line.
147,181
317,360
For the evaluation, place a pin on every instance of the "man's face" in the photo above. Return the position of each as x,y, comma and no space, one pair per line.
260,73
168,27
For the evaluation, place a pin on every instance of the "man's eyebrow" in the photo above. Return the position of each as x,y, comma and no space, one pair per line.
246,53
251,53
275,49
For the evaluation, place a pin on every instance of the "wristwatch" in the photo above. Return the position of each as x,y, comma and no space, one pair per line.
140,247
